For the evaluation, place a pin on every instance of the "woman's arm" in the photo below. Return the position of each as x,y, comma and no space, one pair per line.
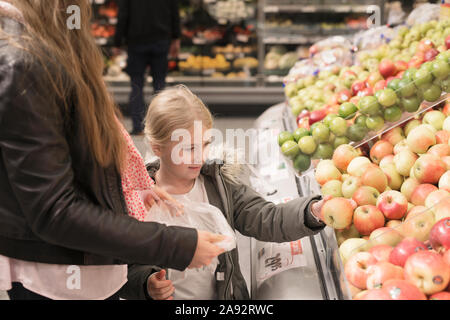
265,221
37,160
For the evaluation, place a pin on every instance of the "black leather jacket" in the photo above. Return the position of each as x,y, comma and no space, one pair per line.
57,205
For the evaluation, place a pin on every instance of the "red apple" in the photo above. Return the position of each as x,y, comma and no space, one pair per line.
338,213
442,210
446,257
356,269
358,86
402,290
404,249
344,96
401,65
427,271
366,195
425,45
373,78
440,150
317,115
365,92
356,167
429,168
385,235
436,197
447,162
421,192
404,161
381,252
374,177
442,136
440,235
380,149
447,42
415,62
343,155
418,223
380,272
368,218
380,85
430,54
440,296
387,68
393,204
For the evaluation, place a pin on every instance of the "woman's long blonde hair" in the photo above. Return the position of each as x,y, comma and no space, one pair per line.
178,108
78,80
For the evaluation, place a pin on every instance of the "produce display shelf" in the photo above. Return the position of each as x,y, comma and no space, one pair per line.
405,117
292,39
308,8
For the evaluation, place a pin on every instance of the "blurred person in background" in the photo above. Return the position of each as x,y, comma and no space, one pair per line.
150,29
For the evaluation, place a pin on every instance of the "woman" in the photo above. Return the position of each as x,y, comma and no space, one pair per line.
64,228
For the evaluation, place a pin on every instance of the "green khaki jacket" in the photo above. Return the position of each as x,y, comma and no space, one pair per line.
247,212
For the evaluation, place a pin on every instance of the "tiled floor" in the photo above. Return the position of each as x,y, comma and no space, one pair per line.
221,124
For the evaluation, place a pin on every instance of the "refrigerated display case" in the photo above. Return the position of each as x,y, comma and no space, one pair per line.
237,51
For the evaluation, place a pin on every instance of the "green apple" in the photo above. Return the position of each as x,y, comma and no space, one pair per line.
369,105
356,132
290,90
338,126
285,136
324,151
410,104
340,140
435,118
301,132
297,105
327,120
445,85
422,77
392,114
394,84
440,69
290,149
347,110
302,162
321,133
409,74
387,97
431,92
375,123
307,144
406,88
361,120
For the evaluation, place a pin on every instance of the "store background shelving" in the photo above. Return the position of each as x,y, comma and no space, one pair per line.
238,64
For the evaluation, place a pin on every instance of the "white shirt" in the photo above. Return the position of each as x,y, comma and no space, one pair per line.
194,284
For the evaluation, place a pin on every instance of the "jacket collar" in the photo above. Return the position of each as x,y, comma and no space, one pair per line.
210,168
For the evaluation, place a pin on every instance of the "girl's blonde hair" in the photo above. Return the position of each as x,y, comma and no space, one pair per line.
178,108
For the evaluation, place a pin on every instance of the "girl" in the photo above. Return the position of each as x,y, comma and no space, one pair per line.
65,166
219,185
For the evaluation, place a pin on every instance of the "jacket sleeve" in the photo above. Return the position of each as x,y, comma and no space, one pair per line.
37,159
120,37
265,221
176,25
136,287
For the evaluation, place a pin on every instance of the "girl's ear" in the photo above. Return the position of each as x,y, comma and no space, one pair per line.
156,150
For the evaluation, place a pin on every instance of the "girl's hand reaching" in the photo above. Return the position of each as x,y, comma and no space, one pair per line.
159,288
158,196
316,207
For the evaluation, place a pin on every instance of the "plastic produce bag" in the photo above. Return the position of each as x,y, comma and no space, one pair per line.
200,216
424,13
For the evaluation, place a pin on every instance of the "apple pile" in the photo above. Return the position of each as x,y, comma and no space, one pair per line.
391,210
349,104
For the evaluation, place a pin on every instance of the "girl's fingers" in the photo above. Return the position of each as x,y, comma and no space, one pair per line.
164,291
165,296
161,284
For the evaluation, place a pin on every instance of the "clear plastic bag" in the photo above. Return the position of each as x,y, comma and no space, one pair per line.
200,216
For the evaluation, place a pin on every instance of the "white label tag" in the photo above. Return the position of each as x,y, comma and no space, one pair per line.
220,276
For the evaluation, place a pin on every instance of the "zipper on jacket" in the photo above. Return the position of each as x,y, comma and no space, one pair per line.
229,282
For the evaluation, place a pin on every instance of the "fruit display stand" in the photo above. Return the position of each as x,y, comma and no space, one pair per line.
305,269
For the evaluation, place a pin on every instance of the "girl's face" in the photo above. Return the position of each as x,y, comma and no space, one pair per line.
185,157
